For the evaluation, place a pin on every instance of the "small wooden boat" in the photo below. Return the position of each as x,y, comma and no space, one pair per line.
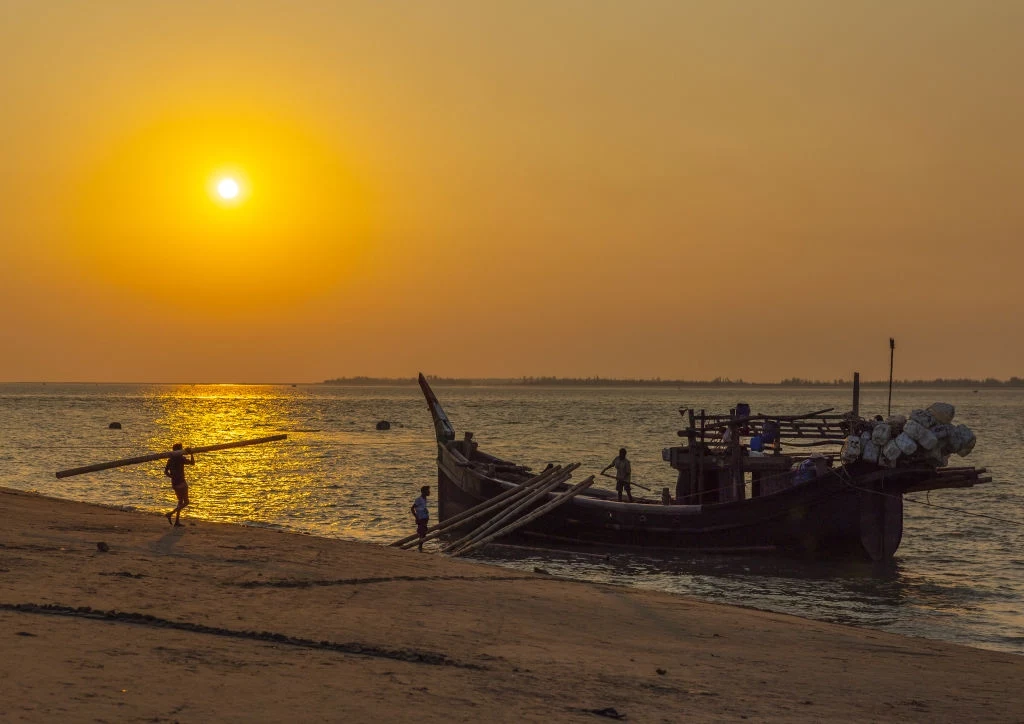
728,498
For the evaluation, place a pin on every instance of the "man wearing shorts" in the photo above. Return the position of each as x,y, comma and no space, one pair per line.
623,473
421,513
175,470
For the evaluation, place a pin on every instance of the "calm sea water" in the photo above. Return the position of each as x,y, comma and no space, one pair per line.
956,577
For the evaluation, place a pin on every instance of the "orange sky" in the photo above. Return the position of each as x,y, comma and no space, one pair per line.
674,189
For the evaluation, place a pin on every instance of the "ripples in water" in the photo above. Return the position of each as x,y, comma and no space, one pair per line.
956,577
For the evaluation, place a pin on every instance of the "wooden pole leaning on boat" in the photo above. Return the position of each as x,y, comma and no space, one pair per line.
457,519
560,499
488,507
163,455
513,509
478,510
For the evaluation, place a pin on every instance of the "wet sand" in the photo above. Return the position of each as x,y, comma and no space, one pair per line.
213,622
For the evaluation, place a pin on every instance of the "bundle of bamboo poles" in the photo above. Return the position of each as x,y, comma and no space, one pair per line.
506,514
488,506
500,512
559,499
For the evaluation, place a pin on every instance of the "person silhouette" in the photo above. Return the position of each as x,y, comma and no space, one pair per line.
421,513
175,470
623,473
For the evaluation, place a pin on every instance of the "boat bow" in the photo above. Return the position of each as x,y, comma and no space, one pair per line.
443,429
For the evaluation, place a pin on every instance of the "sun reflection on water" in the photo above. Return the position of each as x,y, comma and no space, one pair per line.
247,485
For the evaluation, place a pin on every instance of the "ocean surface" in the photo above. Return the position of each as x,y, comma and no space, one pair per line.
957,577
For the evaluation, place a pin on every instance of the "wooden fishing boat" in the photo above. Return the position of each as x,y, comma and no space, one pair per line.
728,498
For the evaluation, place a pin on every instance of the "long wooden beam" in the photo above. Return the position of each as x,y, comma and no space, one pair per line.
725,420
440,526
940,483
507,497
505,514
493,510
560,499
163,455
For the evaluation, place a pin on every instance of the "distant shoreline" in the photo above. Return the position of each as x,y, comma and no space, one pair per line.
963,383
968,384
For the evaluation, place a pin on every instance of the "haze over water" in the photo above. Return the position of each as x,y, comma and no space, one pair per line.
956,577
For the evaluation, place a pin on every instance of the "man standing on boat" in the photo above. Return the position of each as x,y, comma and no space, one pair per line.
623,473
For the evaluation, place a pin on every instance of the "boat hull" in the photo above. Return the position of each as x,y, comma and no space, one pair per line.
827,516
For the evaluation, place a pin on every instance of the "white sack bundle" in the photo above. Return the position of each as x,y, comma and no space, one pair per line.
921,435
851,450
896,423
881,434
966,439
942,412
906,444
923,418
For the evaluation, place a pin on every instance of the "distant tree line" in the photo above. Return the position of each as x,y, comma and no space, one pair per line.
626,382
659,382
955,382
385,381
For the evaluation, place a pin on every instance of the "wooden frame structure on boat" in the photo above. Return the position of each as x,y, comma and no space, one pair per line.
727,499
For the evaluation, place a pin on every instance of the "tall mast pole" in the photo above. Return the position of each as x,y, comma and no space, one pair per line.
892,351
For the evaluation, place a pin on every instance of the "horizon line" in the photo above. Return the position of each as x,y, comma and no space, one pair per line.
528,380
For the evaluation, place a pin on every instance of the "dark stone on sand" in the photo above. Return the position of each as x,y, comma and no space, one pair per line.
541,571
661,672
114,426
383,425
102,547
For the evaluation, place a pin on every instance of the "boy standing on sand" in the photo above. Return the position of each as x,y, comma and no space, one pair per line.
421,513
175,470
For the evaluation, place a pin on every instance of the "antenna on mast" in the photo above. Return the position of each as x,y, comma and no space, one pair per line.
892,351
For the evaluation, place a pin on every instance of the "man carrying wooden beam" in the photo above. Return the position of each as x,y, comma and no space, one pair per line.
175,470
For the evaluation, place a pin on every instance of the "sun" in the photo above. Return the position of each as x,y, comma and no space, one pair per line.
228,186
228,189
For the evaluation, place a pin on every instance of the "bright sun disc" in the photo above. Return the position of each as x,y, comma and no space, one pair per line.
227,188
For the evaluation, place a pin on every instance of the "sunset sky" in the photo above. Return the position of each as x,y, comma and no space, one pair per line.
634,189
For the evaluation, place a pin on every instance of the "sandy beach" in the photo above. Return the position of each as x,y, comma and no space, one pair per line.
213,622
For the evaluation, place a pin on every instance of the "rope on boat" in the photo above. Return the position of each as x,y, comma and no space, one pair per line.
845,477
